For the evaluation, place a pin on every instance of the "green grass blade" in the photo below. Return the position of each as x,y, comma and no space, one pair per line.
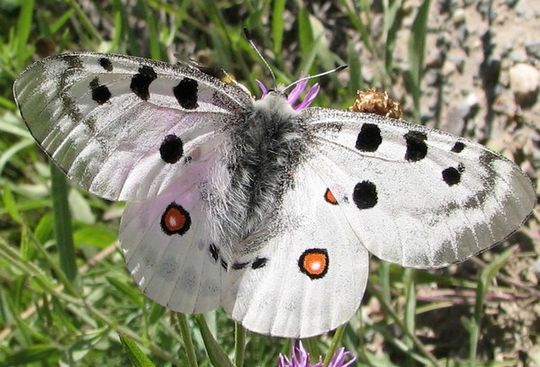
336,342
416,48
239,344
135,354
357,22
486,277
215,352
85,21
8,104
277,26
153,38
305,32
392,23
37,353
10,204
62,223
356,81
24,25
410,310
181,321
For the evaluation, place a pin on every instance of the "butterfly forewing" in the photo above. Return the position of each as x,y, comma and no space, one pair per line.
124,127
415,196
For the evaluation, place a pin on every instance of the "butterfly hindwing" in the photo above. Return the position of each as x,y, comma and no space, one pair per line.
415,196
124,127
169,249
310,274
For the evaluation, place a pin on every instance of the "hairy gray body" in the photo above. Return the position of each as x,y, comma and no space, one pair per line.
268,144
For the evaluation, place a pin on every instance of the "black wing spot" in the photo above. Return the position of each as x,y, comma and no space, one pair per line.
224,265
186,93
100,93
369,138
452,176
106,64
171,149
238,266
458,147
214,252
416,146
365,195
140,83
259,262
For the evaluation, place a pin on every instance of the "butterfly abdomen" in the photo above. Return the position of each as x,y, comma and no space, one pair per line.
268,146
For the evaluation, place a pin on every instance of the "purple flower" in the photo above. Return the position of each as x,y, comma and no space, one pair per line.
300,358
293,97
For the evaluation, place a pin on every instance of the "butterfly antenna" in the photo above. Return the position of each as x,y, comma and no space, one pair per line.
334,70
252,44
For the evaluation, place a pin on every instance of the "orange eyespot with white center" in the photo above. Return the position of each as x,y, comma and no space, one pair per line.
329,197
314,263
175,220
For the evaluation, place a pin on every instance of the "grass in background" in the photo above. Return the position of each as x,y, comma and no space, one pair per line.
49,316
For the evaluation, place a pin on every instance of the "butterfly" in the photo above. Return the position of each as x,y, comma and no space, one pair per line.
268,208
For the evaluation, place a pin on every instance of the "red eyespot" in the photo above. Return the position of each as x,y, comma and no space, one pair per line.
329,197
314,263
175,220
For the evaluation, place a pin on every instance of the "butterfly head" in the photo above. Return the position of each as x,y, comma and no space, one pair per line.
293,98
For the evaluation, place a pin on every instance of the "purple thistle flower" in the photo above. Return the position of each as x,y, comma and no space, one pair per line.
300,358
297,90
294,96
262,87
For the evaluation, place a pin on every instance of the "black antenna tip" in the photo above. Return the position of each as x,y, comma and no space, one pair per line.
247,34
341,67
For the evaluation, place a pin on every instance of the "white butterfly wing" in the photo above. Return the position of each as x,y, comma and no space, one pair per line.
415,196
310,274
169,248
124,127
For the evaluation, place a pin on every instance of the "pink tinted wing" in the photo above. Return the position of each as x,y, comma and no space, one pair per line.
124,127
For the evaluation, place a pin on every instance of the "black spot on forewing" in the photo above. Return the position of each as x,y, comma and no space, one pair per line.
259,262
458,147
106,63
416,146
369,138
100,93
452,176
365,195
186,93
141,81
171,149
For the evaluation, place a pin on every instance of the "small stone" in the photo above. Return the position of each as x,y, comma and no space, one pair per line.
518,55
459,16
536,267
471,102
454,121
524,81
511,3
533,49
